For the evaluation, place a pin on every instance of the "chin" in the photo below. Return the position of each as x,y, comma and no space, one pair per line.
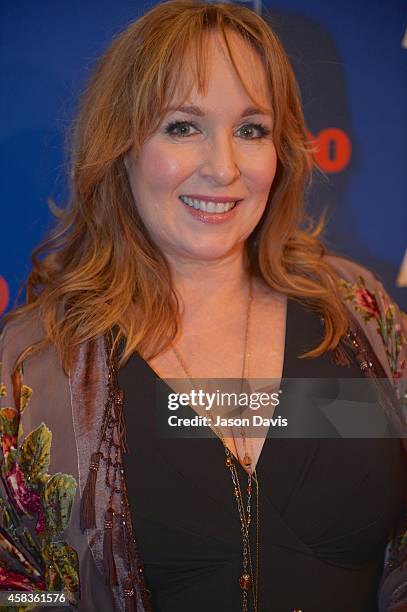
208,254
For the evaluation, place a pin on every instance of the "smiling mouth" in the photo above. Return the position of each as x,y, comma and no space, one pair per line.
208,207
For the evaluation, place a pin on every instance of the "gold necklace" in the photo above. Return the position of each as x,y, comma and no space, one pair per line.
245,513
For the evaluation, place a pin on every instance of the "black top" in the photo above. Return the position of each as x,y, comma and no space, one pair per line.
326,506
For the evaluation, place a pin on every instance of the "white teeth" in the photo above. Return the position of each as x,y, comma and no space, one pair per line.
210,207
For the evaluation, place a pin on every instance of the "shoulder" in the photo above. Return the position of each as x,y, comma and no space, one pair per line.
363,292
348,267
17,336
385,325
23,366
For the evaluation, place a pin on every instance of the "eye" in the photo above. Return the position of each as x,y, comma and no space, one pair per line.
249,128
182,129
179,128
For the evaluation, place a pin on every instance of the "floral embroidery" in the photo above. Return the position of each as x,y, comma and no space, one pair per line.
366,303
36,507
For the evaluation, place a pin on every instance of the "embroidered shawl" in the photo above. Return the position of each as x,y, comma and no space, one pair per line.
61,440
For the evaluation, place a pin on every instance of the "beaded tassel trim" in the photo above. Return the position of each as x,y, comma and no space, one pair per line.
108,459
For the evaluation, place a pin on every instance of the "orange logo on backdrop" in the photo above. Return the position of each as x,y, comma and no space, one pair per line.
333,149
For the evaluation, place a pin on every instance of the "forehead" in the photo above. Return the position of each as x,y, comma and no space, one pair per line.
235,55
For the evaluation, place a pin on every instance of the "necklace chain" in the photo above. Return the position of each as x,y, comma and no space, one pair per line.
245,512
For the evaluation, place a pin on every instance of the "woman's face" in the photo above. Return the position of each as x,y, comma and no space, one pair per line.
215,150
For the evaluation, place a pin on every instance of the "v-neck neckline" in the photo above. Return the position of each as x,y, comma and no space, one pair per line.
288,362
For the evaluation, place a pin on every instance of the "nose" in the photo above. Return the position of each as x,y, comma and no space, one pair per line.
220,163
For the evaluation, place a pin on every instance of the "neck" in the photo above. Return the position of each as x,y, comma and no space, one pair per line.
209,284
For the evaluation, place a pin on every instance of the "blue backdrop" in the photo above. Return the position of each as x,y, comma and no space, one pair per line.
351,65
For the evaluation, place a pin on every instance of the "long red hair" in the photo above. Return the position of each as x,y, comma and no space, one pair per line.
98,269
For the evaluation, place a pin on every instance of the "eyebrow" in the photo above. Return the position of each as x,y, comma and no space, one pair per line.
195,110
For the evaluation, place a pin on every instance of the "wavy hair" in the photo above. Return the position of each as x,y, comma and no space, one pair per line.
98,270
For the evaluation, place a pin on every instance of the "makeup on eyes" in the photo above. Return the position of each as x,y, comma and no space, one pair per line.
173,125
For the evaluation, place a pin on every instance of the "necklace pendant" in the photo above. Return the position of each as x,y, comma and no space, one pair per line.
245,582
247,460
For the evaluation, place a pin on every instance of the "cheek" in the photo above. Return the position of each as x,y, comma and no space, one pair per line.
268,172
161,170
261,171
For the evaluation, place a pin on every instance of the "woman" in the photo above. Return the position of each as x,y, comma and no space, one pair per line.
183,255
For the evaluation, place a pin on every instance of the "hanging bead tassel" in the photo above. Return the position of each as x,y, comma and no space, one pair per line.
119,415
87,511
108,556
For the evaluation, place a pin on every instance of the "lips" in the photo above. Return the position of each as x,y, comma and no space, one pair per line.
216,199
209,211
208,206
